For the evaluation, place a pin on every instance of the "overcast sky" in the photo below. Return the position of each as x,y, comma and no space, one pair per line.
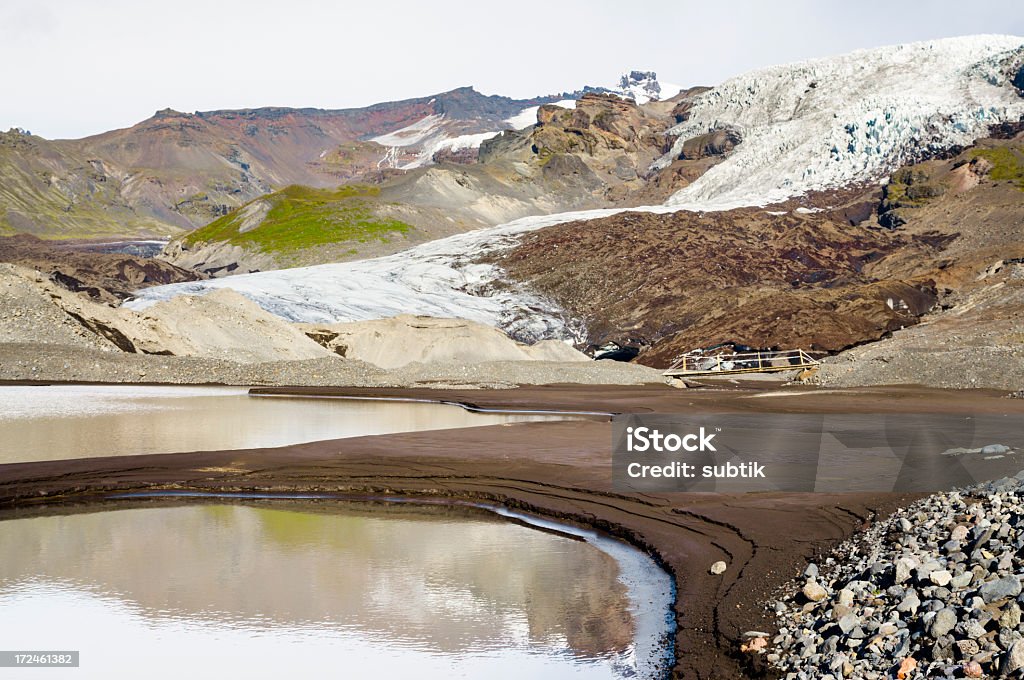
70,68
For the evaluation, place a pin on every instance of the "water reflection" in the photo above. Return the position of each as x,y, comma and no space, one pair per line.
394,592
79,421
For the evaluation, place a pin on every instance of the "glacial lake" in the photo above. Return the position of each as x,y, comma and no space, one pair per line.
84,421
278,589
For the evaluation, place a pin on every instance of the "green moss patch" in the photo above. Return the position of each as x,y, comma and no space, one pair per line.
302,217
1007,164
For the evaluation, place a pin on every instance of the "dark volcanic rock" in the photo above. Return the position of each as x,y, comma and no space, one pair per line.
108,277
714,143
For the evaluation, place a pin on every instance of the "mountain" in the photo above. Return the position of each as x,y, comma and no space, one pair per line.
798,154
176,171
591,152
644,86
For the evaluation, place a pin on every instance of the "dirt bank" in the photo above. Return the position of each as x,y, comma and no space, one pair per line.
564,472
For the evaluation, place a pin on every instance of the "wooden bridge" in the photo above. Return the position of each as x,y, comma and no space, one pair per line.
698,362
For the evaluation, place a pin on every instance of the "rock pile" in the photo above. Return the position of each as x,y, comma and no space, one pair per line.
933,591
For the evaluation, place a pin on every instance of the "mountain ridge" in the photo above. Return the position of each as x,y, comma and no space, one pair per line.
176,171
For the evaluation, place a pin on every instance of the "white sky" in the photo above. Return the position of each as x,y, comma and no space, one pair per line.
75,67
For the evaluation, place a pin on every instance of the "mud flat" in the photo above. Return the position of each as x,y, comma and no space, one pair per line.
559,470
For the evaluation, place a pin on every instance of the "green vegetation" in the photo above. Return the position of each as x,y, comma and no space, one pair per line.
911,188
301,217
1007,164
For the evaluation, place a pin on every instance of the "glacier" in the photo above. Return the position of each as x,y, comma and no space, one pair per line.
440,278
809,126
828,123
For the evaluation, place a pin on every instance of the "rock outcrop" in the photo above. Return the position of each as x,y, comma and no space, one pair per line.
104,277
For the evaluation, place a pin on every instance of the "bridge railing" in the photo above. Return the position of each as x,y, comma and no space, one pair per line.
699,363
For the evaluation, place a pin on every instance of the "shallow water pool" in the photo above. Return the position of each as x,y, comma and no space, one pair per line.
327,589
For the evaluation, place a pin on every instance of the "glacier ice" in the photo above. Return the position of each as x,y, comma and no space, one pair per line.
828,123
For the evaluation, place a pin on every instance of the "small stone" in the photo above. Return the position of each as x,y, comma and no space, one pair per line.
940,577
961,581
994,449
848,623
1000,589
972,669
944,621
959,532
718,567
813,591
1010,617
907,667
757,644
811,571
888,629
967,648
943,648
910,603
840,610
974,630
1014,658
845,598
904,567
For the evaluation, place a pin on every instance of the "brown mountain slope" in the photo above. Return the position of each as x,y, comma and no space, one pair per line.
975,338
684,280
803,279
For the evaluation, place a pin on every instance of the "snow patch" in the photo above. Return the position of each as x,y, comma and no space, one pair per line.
528,116
524,119
439,278
430,135
412,135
